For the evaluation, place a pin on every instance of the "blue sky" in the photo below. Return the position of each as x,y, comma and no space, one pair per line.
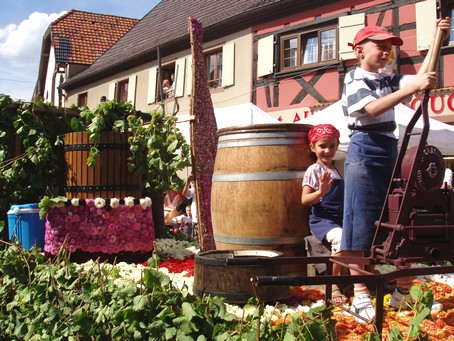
22,25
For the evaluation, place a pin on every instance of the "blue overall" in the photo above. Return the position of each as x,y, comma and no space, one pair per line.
327,214
368,169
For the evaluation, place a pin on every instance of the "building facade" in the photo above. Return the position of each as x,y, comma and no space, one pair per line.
288,57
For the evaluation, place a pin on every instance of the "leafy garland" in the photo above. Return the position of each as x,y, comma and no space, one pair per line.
34,130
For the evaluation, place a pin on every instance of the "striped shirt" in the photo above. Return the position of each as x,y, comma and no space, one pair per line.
362,87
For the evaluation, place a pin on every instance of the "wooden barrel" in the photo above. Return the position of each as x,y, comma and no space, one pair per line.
256,189
110,177
214,276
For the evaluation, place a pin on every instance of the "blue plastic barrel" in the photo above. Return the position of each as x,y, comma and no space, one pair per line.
25,226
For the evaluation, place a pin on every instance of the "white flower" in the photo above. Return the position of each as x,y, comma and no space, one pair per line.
75,202
114,202
100,203
144,203
148,199
129,201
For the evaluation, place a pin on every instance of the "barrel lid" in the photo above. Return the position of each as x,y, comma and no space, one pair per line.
23,209
266,127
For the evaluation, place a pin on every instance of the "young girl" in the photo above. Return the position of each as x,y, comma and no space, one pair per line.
323,190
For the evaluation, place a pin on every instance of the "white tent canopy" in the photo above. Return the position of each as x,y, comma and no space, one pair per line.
237,115
440,135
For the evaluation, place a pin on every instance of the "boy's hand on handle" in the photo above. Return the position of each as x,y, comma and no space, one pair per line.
425,81
444,25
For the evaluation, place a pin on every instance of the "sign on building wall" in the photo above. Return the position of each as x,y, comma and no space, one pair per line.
440,106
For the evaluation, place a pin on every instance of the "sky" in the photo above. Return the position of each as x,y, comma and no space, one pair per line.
22,26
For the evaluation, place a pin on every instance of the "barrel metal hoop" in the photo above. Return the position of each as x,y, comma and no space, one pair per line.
240,136
258,241
229,297
87,146
252,143
261,176
101,188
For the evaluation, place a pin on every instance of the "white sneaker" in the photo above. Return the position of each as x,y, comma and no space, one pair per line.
401,301
362,305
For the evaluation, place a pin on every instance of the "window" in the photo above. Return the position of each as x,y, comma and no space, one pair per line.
303,49
213,62
450,13
122,91
168,79
447,10
82,99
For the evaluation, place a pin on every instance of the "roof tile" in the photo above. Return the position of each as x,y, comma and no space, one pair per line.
82,37
167,22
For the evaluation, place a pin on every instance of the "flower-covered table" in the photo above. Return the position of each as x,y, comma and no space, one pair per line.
100,226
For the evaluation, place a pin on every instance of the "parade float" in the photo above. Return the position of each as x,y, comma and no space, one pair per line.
53,297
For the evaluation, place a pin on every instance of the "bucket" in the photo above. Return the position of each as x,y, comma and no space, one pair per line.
25,225
256,188
214,276
110,177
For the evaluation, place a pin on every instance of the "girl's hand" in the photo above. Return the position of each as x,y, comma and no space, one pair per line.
325,182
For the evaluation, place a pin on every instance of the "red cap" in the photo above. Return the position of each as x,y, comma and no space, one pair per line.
322,130
375,33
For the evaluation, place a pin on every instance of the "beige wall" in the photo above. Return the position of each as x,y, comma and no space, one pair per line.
238,93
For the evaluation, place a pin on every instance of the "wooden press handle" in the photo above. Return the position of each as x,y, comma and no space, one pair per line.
435,50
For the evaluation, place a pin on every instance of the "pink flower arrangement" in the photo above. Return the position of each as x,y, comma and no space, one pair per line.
98,225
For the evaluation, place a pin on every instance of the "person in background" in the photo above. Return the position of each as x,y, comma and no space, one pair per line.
368,100
172,85
447,181
165,88
184,223
172,198
171,201
323,191
189,192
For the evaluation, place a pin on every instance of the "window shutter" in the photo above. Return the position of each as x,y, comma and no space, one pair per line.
179,77
349,25
151,92
426,14
189,76
265,60
132,89
228,65
111,91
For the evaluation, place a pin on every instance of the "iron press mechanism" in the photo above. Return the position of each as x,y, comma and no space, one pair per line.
417,220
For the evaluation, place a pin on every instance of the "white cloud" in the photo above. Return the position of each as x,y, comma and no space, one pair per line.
20,44
20,48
